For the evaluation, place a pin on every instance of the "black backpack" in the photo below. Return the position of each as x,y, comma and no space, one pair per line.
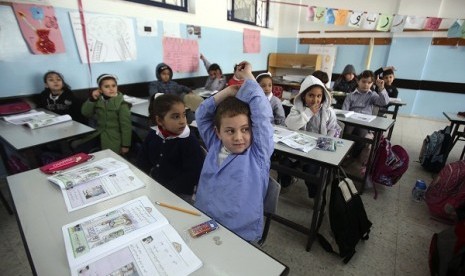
435,149
347,217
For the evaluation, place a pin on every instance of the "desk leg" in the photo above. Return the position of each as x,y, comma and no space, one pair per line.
317,207
371,157
394,116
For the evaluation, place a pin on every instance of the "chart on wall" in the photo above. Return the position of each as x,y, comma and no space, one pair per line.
40,29
182,55
328,54
251,41
12,44
110,38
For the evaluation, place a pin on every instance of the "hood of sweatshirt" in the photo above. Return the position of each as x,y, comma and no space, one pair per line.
309,82
160,67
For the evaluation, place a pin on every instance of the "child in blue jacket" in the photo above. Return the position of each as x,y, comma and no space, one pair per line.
235,125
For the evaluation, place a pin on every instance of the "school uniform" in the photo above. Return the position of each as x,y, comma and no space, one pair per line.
175,162
278,110
362,102
213,84
66,103
233,192
169,87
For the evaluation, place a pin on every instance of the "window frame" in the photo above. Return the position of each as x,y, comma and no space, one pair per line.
163,4
231,16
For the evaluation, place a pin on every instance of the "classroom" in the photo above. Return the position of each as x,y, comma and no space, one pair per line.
429,69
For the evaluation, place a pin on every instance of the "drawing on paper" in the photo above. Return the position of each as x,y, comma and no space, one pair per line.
109,38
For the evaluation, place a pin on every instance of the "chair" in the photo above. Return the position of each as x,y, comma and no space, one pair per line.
270,206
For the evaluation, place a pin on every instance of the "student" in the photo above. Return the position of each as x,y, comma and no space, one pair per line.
362,101
112,114
171,154
387,74
266,83
347,81
311,112
236,127
215,81
165,84
58,97
235,79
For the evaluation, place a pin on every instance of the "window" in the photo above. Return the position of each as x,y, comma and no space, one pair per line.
180,5
253,12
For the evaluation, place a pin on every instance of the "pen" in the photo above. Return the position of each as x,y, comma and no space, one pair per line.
178,208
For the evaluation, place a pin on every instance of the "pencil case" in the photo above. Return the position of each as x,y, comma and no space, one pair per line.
66,163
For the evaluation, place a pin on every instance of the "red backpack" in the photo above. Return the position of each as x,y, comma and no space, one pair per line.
447,191
391,162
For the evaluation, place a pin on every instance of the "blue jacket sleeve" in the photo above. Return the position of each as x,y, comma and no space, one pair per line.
204,118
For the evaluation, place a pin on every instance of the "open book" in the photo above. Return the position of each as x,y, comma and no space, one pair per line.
343,113
295,140
35,119
395,100
133,238
363,117
95,182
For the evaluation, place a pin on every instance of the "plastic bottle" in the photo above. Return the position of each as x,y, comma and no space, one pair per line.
418,191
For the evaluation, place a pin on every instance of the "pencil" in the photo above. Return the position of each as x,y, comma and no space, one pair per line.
178,208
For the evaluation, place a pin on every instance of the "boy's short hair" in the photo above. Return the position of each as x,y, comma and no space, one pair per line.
367,74
322,76
388,72
161,104
214,67
230,107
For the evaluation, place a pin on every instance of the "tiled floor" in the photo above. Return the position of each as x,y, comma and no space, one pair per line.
398,243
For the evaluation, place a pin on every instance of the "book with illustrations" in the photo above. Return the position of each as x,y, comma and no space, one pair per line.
95,182
133,238
293,139
343,113
35,119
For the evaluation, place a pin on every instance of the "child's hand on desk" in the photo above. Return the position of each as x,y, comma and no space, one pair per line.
96,94
124,150
379,84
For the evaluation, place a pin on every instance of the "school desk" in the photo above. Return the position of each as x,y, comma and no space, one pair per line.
329,162
41,213
24,139
456,121
378,126
397,105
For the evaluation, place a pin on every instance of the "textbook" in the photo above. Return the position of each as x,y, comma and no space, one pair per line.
343,113
133,238
363,117
295,140
95,182
35,119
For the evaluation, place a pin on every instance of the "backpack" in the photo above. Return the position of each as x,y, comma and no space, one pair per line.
347,217
390,163
435,148
15,106
447,250
447,191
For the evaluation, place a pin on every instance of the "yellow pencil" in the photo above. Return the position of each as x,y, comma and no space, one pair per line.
178,208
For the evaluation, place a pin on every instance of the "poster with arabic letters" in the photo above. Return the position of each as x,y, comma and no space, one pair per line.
398,23
251,41
432,23
384,22
341,17
40,29
355,19
182,55
414,22
370,21
319,14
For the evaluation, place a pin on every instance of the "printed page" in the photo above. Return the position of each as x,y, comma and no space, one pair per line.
86,173
300,141
95,235
159,252
42,122
281,133
394,100
363,117
100,189
23,118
